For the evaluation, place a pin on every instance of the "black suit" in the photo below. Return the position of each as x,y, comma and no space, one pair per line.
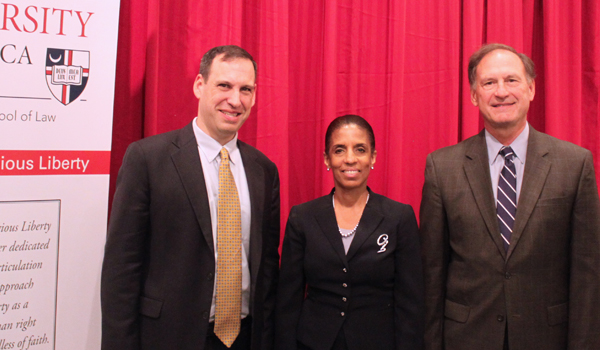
374,295
159,264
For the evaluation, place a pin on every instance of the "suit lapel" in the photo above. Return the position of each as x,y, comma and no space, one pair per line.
369,221
534,178
477,170
187,162
325,216
256,187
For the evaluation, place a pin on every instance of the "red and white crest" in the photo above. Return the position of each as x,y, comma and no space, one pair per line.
67,73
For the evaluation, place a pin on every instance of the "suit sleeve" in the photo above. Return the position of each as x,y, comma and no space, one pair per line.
408,284
271,266
292,285
434,254
584,305
124,254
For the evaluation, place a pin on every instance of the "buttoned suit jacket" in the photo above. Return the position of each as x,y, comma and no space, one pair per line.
159,265
545,291
374,293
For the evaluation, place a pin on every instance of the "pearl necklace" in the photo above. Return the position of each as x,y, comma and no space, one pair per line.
346,235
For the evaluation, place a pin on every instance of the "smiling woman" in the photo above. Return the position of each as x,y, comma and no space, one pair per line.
350,153
350,266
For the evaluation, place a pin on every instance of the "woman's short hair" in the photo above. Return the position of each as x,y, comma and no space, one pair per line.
349,119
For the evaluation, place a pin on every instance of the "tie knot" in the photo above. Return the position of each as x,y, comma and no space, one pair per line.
507,152
224,154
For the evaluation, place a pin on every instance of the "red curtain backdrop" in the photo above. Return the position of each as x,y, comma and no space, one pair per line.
400,64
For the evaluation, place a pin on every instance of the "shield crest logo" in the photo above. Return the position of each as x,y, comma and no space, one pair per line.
67,73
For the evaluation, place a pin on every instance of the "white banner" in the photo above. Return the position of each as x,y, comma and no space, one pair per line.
57,75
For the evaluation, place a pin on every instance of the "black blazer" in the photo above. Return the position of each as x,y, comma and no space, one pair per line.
159,264
374,293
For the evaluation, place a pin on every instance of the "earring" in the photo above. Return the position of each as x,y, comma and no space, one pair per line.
327,169
372,168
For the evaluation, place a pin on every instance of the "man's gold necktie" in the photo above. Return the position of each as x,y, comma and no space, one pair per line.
229,256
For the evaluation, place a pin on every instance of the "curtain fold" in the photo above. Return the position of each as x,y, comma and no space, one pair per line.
400,64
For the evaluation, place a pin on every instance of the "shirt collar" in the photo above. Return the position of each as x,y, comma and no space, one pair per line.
519,146
212,148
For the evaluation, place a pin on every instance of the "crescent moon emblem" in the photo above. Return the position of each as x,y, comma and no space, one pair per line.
55,60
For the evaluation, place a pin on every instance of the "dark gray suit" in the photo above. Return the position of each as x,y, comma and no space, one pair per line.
159,264
374,294
546,289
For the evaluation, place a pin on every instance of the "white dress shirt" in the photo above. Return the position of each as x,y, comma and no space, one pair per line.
210,156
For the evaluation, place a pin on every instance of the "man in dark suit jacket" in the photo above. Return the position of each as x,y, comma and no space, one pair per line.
159,273
538,287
